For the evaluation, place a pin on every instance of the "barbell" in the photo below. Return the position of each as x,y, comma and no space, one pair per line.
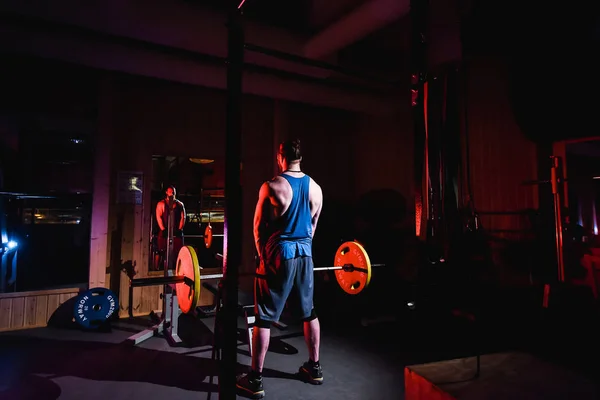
351,265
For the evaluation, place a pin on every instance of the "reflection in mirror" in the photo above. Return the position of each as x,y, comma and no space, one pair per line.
45,210
187,192
45,241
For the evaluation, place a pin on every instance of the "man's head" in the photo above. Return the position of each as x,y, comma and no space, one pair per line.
171,192
289,153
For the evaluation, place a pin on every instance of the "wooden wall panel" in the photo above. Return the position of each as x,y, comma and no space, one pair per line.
163,118
327,138
348,154
383,154
501,157
23,310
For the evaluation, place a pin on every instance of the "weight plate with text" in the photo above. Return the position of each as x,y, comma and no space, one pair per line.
94,307
352,281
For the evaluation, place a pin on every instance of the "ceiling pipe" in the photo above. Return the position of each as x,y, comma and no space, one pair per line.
362,21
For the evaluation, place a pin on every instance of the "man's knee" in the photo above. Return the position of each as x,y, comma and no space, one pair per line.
312,316
261,323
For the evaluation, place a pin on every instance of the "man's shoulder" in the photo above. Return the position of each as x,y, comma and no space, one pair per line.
314,183
274,181
273,186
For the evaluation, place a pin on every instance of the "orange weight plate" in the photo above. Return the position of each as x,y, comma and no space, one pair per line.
208,236
353,253
187,265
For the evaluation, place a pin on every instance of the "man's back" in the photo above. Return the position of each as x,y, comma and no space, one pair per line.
296,201
281,194
285,219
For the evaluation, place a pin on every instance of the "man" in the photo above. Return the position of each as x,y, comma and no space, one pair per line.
285,221
163,209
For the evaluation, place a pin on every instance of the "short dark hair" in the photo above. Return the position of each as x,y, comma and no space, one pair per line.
290,150
172,188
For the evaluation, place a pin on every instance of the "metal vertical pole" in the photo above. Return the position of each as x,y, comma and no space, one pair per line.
556,180
233,202
418,76
169,255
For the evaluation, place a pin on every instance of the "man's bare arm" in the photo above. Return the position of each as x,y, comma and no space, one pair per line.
259,217
160,209
319,207
183,216
315,220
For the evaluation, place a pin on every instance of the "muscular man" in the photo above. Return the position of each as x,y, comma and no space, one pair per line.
285,221
162,217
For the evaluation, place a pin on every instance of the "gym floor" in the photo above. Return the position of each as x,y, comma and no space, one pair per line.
359,361
52,363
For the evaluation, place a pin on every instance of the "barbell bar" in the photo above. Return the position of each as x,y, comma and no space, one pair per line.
203,236
352,268
585,179
207,236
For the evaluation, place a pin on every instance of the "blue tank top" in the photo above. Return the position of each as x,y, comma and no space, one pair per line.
291,234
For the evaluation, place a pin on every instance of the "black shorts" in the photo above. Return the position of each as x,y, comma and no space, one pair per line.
277,280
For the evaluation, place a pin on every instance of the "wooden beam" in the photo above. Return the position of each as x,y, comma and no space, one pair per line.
101,194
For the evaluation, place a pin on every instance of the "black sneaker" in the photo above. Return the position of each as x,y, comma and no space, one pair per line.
311,373
250,387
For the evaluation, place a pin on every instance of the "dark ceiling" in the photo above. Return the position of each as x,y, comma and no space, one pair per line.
294,15
383,51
